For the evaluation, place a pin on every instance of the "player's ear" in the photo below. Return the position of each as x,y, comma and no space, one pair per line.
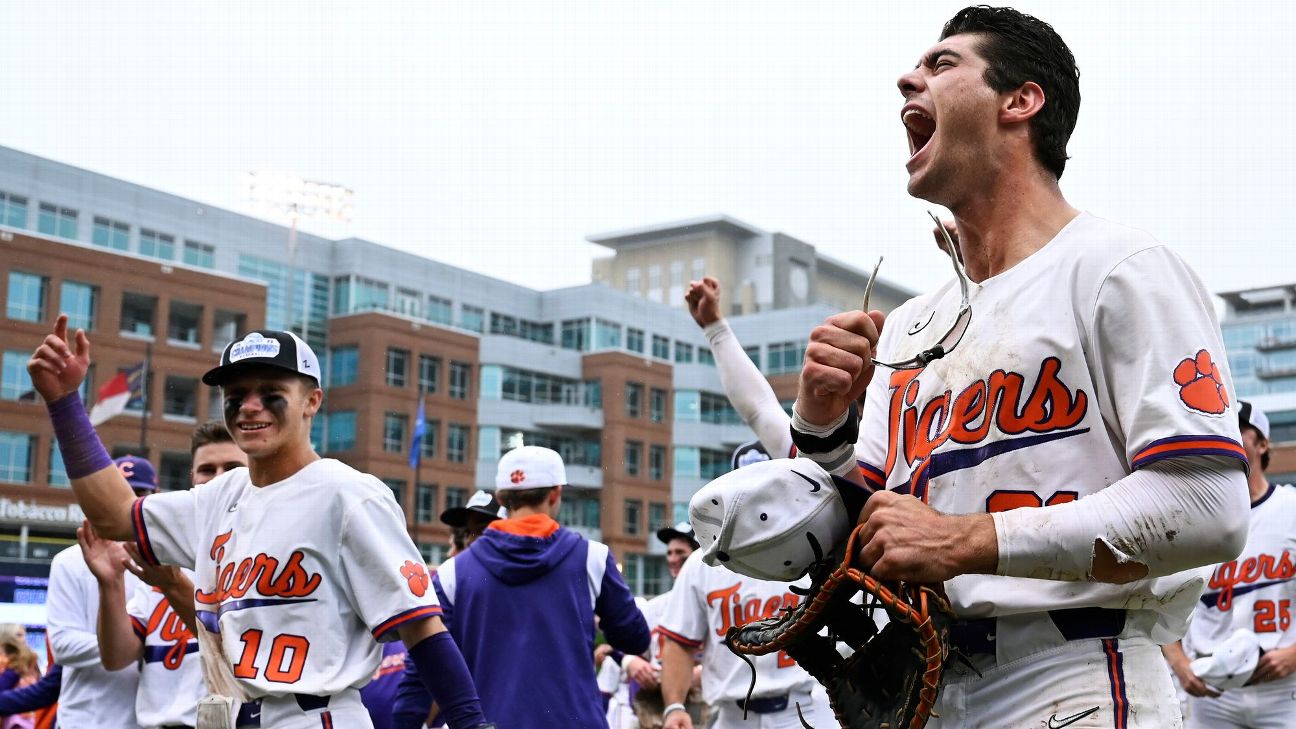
314,397
1022,103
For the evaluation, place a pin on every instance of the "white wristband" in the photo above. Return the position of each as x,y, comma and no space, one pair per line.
672,709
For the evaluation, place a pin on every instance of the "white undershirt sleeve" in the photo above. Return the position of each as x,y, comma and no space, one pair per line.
749,391
1174,515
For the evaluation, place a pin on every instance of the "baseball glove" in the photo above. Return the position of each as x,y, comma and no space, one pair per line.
892,679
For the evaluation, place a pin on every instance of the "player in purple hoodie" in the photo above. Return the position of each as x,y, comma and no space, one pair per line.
521,604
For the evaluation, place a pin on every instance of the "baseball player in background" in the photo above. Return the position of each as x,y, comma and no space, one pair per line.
301,563
1254,592
92,695
521,602
1054,441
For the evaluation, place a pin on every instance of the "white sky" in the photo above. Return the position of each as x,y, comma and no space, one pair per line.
497,135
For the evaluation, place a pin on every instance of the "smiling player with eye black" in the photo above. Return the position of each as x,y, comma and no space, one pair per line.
302,563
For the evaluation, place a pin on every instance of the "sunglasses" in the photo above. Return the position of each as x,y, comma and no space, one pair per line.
956,330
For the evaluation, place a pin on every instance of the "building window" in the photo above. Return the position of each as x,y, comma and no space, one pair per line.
138,313
16,456
397,367
712,463
699,268
409,303
341,431
705,357
457,443
344,365
472,318
657,405
57,471
632,281
174,472
753,353
13,210
656,462
688,406
579,508
635,340
634,399
439,310
575,334
785,357
183,321
56,220
460,380
14,380
633,515
538,388
683,352
199,254
79,301
26,301
425,495
607,335
110,234
676,283
397,487
429,443
157,245
633,457
227,326
661,347
433,553
429,374
455,497
394,425
180,397
657,516
655,283
717,410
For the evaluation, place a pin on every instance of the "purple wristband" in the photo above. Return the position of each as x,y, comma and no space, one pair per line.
83,453
442,668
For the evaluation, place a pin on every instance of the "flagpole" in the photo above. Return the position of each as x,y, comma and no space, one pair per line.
148,361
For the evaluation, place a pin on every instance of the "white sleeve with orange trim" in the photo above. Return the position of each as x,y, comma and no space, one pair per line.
684,619
166,528
1159,362
388,584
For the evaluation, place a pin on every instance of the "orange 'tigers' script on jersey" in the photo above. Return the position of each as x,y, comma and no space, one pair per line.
1230,574
234,580
734,611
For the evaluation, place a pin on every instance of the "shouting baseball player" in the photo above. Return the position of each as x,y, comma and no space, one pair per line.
1053,440
1253,594
302,564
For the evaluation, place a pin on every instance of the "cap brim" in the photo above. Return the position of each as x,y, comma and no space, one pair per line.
666,535
457,516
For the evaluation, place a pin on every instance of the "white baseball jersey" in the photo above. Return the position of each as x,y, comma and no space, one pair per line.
299,577
91,696
171,678
1097,355
705,603
1256,591
653,612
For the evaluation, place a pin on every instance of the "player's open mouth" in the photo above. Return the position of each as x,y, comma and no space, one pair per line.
251,427
919,127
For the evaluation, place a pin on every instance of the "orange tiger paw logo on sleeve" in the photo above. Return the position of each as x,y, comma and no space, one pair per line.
417,576
1201,386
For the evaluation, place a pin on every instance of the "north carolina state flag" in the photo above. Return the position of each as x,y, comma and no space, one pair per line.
114,396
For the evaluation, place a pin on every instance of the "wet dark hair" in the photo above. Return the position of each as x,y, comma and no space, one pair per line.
213,431
1018,48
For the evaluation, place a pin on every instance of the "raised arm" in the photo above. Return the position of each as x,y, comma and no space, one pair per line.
119,644
57,368
742,381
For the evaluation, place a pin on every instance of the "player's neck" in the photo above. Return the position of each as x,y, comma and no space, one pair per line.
1006,222
280,465
1257,484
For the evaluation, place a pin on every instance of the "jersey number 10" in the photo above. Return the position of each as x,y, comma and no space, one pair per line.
285,648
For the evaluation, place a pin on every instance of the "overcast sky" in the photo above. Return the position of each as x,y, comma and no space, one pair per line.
497,135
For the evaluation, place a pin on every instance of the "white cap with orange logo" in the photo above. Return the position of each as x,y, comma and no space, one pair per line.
530,467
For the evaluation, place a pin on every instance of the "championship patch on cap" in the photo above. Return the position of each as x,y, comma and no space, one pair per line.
770,520
268,348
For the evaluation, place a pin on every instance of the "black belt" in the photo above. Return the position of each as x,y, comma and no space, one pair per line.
176,726
764,705
308,702
973,637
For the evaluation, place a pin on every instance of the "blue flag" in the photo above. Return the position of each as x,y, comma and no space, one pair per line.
420,430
